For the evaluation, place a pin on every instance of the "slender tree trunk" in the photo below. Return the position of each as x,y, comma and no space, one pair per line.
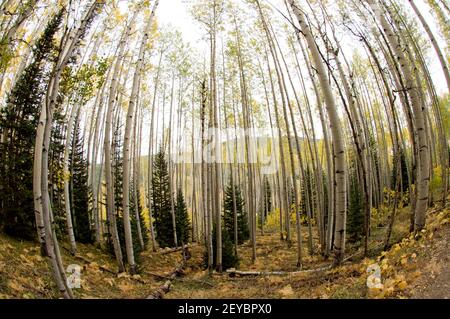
338,145
126,146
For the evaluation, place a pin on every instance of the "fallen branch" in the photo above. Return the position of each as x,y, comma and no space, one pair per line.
173,250
179,270
179,279
105,269
233,272
90,262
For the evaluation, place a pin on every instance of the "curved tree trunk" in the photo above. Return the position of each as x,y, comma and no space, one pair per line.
126,146
338,145
40,183
433,42
423,172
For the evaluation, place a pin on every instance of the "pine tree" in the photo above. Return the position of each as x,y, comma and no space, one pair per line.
267,200
80,190
403,184
161,197
355,215
182,219
307,194
134,229
228,217
18,121
117,169
229,258
374,155
56,172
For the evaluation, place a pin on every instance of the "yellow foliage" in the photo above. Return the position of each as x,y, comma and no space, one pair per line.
14,285
273,219
274,279
123,275
286,291
402,285
125,287
110,281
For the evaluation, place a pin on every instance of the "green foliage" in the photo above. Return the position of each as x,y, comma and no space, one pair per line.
117,170
373,151
229,257
307,193
402,184
56,171
18,121
6,54
266,200
182,219
161,202
228,217
79,190
81,83
134,223
355,214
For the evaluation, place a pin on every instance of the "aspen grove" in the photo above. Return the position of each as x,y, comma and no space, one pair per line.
262,138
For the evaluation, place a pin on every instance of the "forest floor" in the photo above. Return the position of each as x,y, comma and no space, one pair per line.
411,268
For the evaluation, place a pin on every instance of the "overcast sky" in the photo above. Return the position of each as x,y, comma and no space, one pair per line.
176,13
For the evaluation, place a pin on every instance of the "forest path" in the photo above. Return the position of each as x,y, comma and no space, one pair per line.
436,282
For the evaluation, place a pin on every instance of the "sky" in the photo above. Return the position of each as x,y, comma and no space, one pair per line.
177,13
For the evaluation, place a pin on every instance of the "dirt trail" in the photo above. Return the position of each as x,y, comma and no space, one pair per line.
435,284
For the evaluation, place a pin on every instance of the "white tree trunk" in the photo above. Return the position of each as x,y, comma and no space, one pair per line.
433,42
338,145
423,160
67,177
126,146
40,173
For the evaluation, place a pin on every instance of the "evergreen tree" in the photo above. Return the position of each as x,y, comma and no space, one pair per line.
183,225
80,190
228,217
117,169
404,179
355,215
307,194
267,200
229,258
18,121
374,155
161,198
56,172
134,229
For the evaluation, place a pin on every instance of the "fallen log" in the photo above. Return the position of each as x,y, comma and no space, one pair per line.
178,271
86,260
233,272
180,279
105,269
173,250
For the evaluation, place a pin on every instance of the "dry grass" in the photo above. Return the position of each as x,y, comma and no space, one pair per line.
407,269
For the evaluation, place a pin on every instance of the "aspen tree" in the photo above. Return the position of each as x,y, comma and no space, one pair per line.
126,146
112,100
423,172
40,173
338,145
